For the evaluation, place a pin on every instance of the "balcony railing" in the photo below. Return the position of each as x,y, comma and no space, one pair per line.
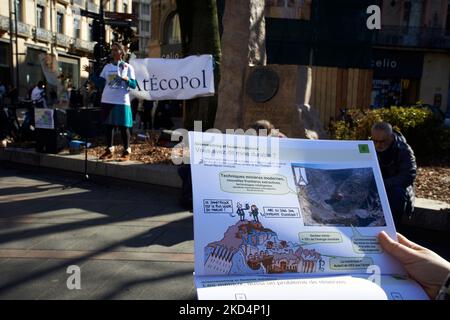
63,40
93,7
418,37
23,29
4,23
84,45
80,3
43,35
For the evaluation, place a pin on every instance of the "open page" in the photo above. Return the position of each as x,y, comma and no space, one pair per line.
342,287
287,207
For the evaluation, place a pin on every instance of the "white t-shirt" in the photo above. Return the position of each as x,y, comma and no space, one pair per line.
37,94
116,92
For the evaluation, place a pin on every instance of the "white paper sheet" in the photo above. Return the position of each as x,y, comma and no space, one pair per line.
289,208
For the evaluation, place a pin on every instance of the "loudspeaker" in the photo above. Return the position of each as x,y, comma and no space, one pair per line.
60,119
85,121
53,140
50,141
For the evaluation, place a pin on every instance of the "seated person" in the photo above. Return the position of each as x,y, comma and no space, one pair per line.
398,168
266,125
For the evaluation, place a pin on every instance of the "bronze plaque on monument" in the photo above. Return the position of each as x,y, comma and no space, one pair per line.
262,84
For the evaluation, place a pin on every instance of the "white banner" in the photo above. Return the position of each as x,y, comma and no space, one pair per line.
49,65
173,79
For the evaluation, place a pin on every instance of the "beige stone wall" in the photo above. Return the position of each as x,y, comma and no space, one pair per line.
281,110
160,10
435,78
29,18
288,9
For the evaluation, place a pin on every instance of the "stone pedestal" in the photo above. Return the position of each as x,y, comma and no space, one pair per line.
288,109
243,50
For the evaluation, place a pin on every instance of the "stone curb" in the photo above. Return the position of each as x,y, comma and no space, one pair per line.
158,174
431,215
428,214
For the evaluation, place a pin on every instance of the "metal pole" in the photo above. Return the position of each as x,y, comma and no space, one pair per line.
102,25
17,46
51,27
11,51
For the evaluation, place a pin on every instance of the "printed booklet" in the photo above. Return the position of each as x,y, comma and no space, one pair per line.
279,218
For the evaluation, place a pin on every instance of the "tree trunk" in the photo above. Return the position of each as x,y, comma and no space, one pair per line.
200,35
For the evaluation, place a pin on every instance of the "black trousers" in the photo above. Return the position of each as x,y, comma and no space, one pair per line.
147,118
124,132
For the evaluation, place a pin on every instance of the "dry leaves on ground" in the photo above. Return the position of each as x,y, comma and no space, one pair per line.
433,182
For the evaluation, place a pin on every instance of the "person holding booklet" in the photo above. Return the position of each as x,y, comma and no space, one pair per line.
117,78
321,208
430,270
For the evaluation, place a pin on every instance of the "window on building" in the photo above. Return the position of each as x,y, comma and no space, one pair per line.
76,27
146,9
447,23
59,22
145,26
113,5
125,8
406,12
40,16
4,53
135,8
90,35
172,34
19,11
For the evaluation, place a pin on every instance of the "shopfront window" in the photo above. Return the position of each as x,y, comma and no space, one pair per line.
396,78
4,63
69,71
33,71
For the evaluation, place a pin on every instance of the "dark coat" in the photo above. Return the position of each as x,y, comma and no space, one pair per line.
398,165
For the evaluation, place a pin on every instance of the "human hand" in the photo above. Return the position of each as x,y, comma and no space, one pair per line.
87,68
423,265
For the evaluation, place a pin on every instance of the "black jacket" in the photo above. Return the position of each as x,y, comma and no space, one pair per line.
398,164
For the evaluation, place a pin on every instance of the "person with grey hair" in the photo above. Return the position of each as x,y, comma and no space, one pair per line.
398,167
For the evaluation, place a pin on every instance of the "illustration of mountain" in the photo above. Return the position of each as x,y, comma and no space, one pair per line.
341,197
250,248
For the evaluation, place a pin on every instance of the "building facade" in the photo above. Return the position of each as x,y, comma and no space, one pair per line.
411,53
408,59
55,28
165,38
141,8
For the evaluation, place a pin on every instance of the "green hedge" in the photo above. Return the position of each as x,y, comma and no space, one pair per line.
424,131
